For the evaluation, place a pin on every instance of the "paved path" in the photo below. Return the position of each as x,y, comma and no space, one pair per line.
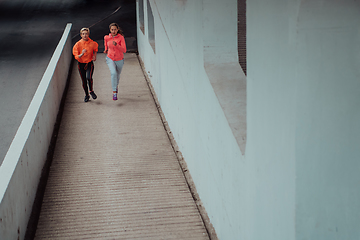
114,174
29,33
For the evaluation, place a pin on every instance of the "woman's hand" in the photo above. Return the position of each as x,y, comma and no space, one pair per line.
114,43
105,51
82,53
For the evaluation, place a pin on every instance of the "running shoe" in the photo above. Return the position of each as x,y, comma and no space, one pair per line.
86,99
114,96
93,95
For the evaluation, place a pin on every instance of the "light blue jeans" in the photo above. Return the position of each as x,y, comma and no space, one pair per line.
115,70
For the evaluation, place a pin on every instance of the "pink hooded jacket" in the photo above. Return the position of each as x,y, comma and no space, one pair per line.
115,53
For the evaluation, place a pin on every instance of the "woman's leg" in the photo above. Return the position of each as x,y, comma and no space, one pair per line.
113,72
89,75
82,72
119,66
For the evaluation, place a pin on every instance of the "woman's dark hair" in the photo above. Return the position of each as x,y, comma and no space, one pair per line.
117,26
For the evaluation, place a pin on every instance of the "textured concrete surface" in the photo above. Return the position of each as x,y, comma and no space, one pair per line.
115,174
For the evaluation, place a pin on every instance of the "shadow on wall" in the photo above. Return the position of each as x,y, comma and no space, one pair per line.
221,62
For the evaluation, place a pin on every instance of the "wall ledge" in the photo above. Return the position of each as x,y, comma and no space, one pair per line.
21,169
229,83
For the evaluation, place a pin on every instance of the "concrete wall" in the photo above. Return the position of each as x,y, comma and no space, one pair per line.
303,116
190,103
298,177
21,169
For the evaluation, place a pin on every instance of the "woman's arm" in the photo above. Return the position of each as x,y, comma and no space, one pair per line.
76,52
95,50
105,44
122,45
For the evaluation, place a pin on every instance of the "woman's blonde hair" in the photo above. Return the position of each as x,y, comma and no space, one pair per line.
85,29
117,26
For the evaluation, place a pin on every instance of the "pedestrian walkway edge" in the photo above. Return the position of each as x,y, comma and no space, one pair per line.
204,216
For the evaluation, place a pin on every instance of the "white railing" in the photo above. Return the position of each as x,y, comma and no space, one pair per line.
21,169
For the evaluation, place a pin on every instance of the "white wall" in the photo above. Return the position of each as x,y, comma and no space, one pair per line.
22,166
303,104
328,133
299,176
192,108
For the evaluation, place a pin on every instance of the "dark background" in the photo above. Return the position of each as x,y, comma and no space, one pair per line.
29,33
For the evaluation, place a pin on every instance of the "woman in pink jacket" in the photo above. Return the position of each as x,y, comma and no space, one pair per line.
115,48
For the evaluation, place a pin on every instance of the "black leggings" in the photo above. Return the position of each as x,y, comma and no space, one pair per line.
86,71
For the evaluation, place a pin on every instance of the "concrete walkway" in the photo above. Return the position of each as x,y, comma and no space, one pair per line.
114,174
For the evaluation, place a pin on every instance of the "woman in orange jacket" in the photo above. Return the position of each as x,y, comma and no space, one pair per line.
115,48
84,52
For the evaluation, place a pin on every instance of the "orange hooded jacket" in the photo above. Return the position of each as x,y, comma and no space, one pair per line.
91,47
